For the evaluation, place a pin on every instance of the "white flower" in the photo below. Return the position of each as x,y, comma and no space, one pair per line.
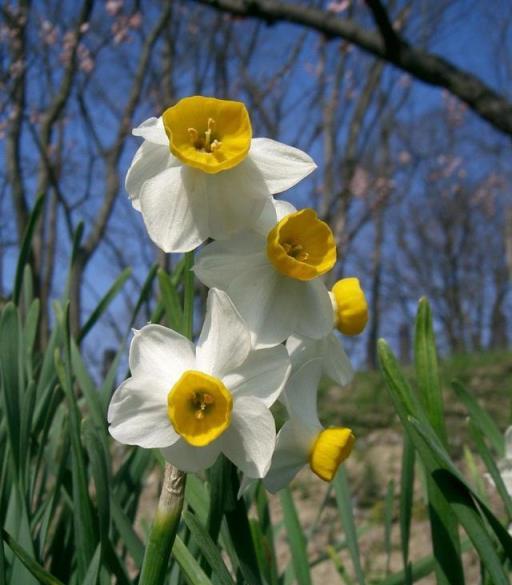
303,440
334,361
206,187
194,403
273,274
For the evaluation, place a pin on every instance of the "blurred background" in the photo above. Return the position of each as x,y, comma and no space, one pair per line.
413,180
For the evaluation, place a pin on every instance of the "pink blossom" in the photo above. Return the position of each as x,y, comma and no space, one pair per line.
338,6
113,7
360,182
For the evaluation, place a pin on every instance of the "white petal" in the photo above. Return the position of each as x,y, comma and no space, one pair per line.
282,166
138,413
508,443
153,131
254,292
263,375
159,352
175,209
225,341
236,198
312,306
273,211
149,160
250,439
302,349
189,458
219,263
291,454
300,393
336,363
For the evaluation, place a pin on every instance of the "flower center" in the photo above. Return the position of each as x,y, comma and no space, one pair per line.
330,449
207,141
207,133
351,307
199,407
301,246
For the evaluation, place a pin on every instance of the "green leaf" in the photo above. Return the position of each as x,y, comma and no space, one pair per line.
427,371
208,549
481,418
445,537
102,306
188,301
438,458
91,577
463,505
98,458
190,568
10,377
171,301
39,572
406,496
128,535
296,540
345,510
388,521
26,245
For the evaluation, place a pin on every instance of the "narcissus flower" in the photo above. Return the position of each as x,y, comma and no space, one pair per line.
350,305
199,173
194,403
303,440
273,274
329,350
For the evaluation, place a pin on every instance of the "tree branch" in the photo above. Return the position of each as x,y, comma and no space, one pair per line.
422,65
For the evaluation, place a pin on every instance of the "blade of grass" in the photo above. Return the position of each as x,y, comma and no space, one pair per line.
492,468
445,537
104,303
190,568
406,496
345,510
25,248
208,549
39,572
480,418
296,539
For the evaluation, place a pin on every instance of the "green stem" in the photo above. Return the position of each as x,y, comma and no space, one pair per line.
164,529
168,514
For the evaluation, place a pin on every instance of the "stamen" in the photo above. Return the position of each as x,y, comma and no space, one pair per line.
201,402
295,251
206,143
215,145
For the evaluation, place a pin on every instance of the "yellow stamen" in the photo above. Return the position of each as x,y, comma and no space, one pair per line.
199,407
209,134
351,306
330,449
302,246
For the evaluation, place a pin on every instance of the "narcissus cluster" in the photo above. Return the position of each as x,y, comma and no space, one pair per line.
271,329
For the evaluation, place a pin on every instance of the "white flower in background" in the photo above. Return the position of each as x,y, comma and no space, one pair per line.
350,315
273,274
303,440
194,403
199,173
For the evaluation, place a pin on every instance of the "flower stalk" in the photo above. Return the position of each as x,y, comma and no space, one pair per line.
164,529
170,505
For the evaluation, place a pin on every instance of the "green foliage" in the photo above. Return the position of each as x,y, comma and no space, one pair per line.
70,498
